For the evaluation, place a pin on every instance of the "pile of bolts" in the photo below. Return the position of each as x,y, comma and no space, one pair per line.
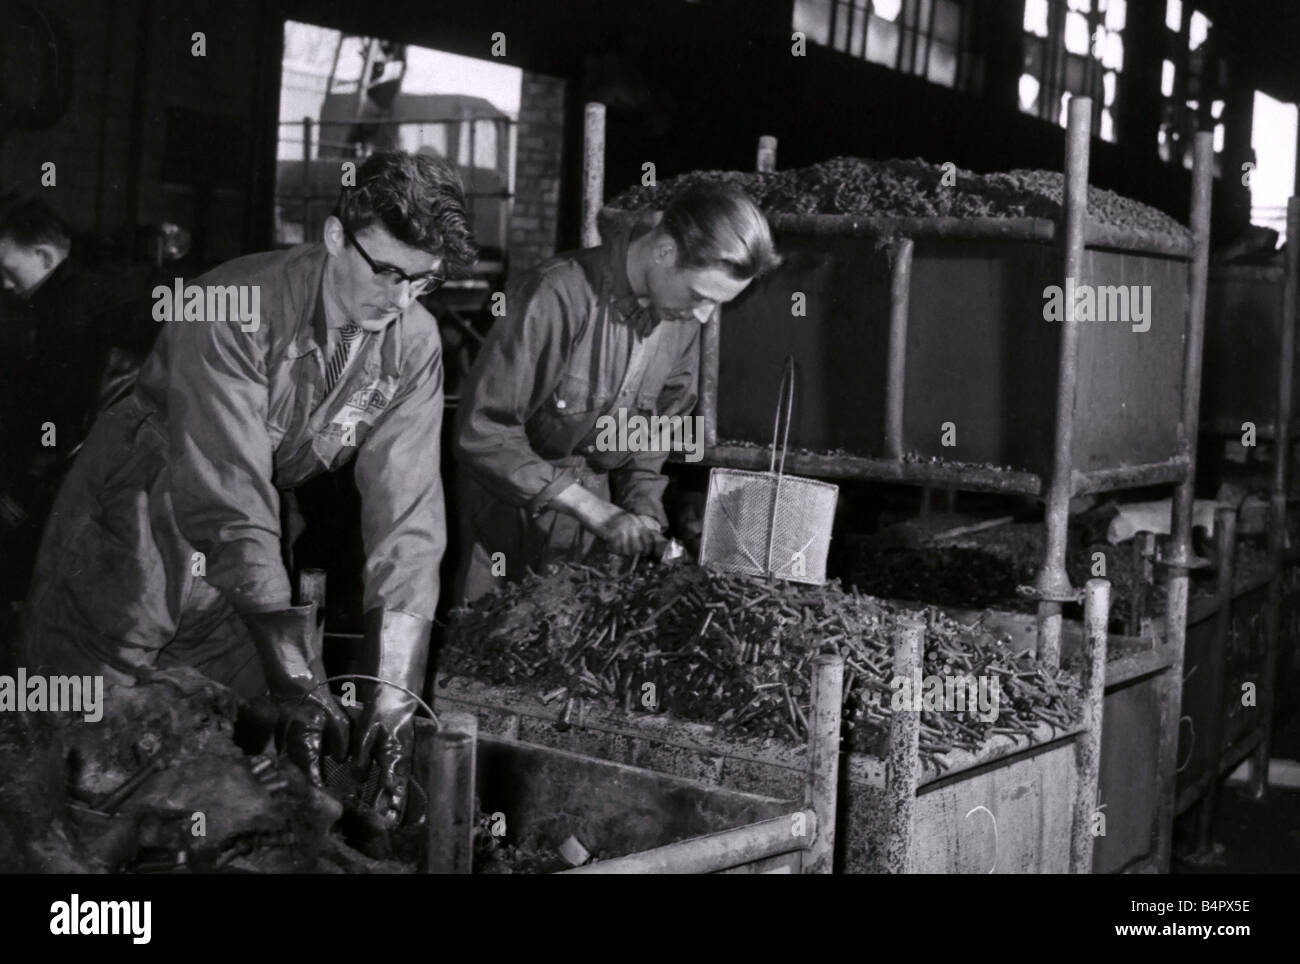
735,652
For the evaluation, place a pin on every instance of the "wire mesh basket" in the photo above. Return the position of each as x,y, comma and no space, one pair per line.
769,523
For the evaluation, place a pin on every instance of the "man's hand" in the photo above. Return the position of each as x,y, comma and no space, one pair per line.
395,647
310,719
630,535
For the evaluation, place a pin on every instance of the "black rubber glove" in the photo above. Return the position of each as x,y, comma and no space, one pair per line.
396,649
308,726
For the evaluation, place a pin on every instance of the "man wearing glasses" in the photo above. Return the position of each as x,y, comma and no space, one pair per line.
164,546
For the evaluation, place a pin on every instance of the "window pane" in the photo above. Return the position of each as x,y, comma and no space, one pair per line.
1082,5
1108,89
882,42
1076,33
887,9
1033,63
1036,17
1107,126
842,27
947,22
1113,57
1116,15
813,17
923,23
1216,109
1028,94
1218,138
907,38
942,68
1199,30
1064,118
1167,78
857,31
1075,72
1174,15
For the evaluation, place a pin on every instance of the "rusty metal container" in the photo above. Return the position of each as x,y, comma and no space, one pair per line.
1028,791
978,352
1243,329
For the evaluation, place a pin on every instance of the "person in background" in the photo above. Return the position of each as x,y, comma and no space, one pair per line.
165,544
59,324
586,334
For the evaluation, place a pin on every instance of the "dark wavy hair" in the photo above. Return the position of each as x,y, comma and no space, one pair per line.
419,199
717,226
29,222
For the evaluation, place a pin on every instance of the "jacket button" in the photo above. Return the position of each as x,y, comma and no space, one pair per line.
561,403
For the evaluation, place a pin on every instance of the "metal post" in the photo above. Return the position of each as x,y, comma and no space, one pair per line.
900,285
451,770
1180,556
1277,535
1087,748
903,773
311,589
824,759
1053,583
708,406
1144,549
766,162
1225,542
593,172
306,177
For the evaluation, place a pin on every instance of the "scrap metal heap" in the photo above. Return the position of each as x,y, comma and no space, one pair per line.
910,188
734,651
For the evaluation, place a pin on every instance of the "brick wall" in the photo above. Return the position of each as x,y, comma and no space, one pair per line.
539,144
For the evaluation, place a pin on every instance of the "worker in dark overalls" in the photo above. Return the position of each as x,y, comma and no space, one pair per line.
60,322
164,546
607,332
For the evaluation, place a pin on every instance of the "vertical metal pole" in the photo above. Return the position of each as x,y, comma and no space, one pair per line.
1053,581
306,178
1087,748
593,172
1144,564
1225,541
900,286
766,162
1180,556
311,589
824,760
708,404
903,772
1277,535
451,769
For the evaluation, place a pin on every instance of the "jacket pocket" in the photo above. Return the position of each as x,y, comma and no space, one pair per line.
574,396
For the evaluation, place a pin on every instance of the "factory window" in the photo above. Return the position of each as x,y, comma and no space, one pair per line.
1073,47
928,38
1192,81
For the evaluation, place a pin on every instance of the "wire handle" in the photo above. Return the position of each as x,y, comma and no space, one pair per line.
785,394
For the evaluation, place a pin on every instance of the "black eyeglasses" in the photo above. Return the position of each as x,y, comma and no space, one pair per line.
391,276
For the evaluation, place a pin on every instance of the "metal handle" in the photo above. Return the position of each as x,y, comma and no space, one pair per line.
787,394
